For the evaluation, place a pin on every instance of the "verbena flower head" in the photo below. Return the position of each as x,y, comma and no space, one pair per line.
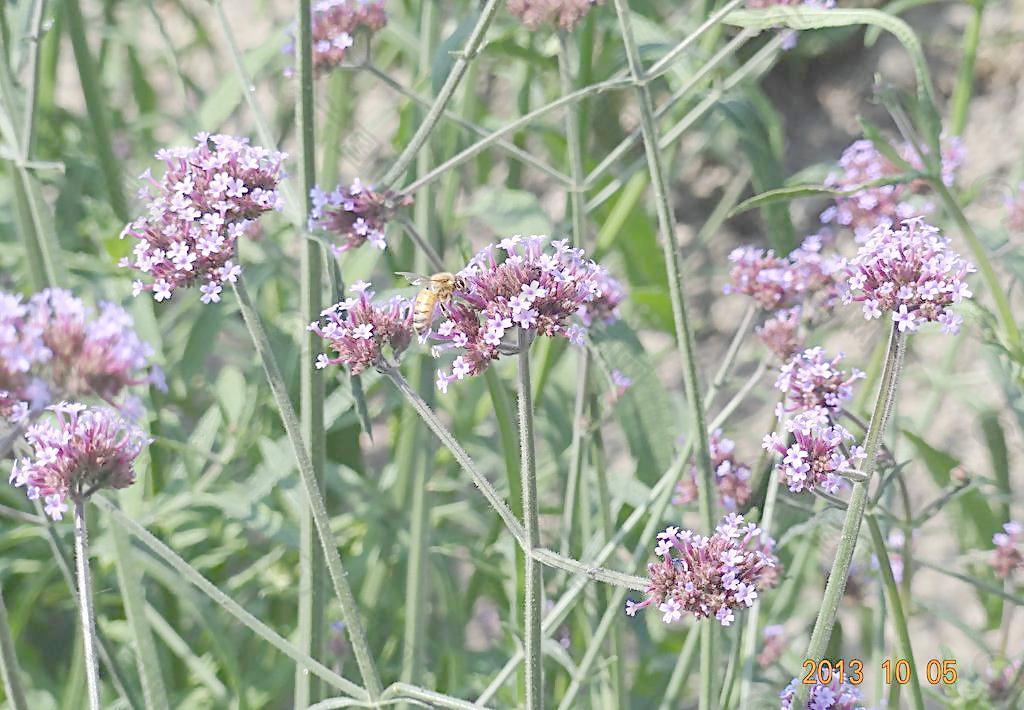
731,476
90,353
910,272
1008,558
516,283
763,276
810,380
354,215
708,576
816,457
76,453
565,14
781,332
363,333
335,24
885,205
776,282
621,383
206,200
833,696
21,349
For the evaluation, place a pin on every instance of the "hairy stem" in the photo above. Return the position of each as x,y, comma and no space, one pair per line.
349,611
311,590
532,636
836,585
892,595
85,605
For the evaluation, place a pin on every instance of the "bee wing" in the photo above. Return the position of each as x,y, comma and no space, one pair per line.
414,279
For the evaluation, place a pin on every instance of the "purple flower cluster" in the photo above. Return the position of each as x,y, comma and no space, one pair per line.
731,477
709,576
82,450
1008,557
565,14
777,282
811,381
865,210
910,272
781,333
335,24
56,346
207,199
363,333
817,456
355,214
21,350
91,354
516,284
834,696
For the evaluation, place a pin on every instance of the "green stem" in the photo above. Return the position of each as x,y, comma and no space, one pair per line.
988,272
311,591
750,634
85,606
681,320
895,604
532,637
190,574
836,585
133,595
96,107
961,100
580,424
463,459
349,611
509,147
451,83
9,662
680,672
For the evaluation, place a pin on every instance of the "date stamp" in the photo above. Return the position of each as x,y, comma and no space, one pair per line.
937,671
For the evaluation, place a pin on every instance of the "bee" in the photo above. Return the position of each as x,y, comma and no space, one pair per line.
437,289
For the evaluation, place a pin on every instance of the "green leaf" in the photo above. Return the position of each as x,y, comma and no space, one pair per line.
223,100
797,192
996,441
508,212
645,412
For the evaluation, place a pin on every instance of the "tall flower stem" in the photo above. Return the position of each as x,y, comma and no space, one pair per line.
855,508
9,662
892,595
532,597
444,95
683,331
85,605
311,590
349,611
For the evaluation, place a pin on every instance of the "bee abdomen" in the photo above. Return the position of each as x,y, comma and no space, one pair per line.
423,310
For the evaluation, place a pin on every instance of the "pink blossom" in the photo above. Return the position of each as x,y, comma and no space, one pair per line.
354,215
515,285
564,14
1008,556
911,273
363,333
335,25
817,456
835,695
75,453
781,332
711,576
812,381
207,199
731,476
